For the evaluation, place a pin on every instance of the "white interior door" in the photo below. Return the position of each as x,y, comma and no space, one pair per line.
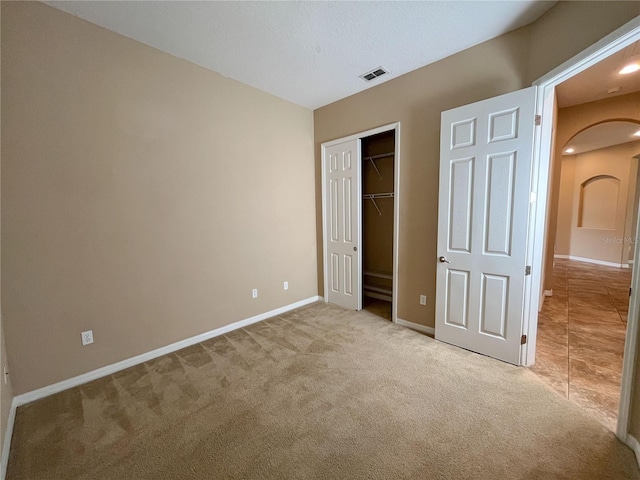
485,180
341,183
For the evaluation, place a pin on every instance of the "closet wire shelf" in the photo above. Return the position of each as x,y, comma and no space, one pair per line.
373,159
373,196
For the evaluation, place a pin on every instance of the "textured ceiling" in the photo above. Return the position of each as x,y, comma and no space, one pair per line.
310,53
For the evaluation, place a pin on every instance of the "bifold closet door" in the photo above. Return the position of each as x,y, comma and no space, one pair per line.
342,209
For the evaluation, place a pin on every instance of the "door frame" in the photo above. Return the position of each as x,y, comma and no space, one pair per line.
396,212
543,152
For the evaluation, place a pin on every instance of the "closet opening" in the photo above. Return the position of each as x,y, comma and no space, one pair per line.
378,207
360,204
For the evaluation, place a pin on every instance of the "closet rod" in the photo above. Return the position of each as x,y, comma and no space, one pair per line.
368,196
382,155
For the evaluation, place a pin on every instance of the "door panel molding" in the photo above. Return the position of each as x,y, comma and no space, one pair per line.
485,206
342,237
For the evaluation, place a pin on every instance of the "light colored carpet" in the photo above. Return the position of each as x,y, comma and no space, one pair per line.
319,392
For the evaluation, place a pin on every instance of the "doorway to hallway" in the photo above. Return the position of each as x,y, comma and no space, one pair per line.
581,335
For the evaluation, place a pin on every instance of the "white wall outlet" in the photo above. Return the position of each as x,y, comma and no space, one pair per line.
87,337
423,299
5,374
286,285
254,293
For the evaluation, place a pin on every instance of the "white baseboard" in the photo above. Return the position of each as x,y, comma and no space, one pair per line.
416,326
634,445
6,444
130,362
592,260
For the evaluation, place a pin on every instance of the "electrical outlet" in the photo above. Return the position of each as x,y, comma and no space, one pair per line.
286,285
87,337
423,299
254,293
5,374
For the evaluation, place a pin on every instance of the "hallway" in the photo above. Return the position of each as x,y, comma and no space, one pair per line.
581,333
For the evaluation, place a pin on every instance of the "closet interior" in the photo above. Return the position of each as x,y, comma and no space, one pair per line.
378,159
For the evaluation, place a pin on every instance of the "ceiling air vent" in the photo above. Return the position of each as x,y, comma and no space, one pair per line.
375,73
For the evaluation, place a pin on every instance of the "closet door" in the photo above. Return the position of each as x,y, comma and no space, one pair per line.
341,219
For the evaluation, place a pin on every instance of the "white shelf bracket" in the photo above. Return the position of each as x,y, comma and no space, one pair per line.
375,205
375,167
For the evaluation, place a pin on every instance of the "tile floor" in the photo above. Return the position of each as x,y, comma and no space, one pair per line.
581,332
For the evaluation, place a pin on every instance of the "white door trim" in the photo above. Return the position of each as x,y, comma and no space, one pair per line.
396,208
620,38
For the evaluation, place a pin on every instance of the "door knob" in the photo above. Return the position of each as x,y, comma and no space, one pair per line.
355,249
443,259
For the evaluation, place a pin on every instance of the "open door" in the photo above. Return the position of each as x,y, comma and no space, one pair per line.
341,199
485,183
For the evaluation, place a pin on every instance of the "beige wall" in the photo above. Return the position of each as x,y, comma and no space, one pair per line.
631,219
633,229
143,197
6,392
565,205
571,121
416,100
604,231
570,27
501,65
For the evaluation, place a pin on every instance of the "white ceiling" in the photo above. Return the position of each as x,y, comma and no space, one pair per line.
595,82
309,52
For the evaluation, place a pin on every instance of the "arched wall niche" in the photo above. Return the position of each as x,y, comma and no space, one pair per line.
598,202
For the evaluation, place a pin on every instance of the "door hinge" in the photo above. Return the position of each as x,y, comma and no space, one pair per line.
523,339
538,120
527,270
